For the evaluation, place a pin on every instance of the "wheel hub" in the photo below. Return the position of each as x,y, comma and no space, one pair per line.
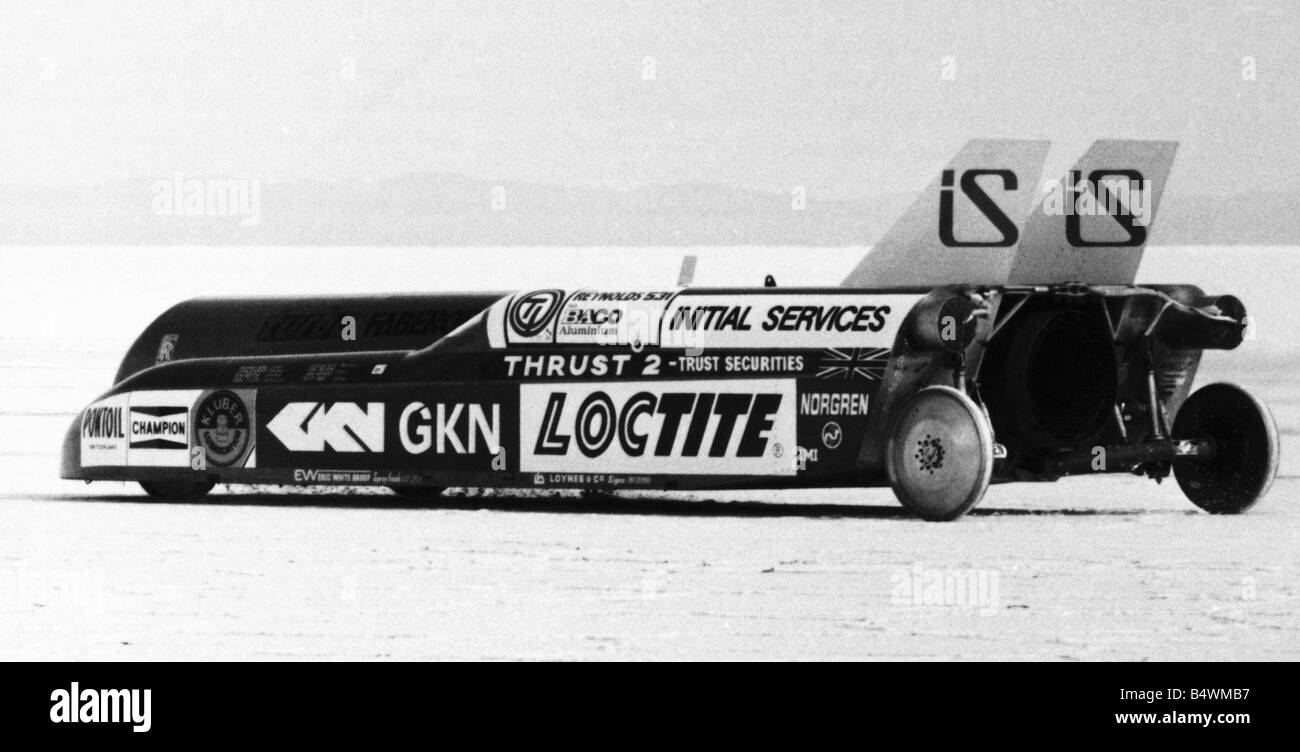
929,454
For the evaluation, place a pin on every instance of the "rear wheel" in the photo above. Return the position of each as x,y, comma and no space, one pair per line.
940,454
1245,457
177,490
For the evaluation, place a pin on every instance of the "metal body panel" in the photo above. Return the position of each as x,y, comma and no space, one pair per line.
239,327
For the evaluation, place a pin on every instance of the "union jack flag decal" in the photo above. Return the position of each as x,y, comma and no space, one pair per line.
853,363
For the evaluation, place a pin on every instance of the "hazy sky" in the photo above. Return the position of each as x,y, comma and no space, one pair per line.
846,98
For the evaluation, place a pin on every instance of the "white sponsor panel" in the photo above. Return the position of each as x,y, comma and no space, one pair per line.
138,429
785,320
103,432
158,428
733,427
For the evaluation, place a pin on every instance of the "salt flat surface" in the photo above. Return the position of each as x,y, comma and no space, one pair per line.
1089,569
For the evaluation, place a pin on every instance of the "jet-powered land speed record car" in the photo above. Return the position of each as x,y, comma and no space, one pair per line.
936,369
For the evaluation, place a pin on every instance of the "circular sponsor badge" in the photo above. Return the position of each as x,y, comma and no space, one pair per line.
530,313
222,427
832,434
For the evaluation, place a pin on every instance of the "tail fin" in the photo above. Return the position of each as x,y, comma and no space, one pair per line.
965,226
1093,226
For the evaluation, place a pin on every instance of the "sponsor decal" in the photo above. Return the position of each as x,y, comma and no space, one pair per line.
158,428
165,427
455,427
223,427
698,363
642,365
714,318
259,374
530,315
826,318
289,327
829,423
832,435
332,371
695,427
103,432
336,427
413,323
612,317
350,477
789,320
684,320
854,363
573,366
102,421
834,403
586,321
307,372
739,363
581,317
803,456
138,429
349,427
587,480
166,348
450,429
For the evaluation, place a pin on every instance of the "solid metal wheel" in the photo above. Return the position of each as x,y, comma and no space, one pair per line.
177,490
1245,456
940,453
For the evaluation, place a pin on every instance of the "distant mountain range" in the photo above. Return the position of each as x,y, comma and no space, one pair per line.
450,210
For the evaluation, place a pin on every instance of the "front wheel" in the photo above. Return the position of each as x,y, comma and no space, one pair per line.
939,454
1244,462
177,490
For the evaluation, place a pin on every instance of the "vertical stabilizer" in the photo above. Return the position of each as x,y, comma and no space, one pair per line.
1093,226
965,226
